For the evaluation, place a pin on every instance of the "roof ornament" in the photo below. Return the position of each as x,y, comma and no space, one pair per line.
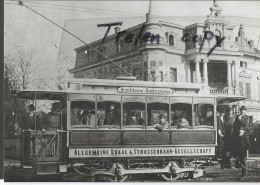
215,9
151,16
241,31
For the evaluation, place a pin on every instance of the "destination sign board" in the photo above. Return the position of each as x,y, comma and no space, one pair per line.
144,90
140,152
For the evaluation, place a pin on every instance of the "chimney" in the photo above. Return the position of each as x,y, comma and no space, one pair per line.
117,29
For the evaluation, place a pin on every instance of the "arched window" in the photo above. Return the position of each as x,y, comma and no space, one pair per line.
171,40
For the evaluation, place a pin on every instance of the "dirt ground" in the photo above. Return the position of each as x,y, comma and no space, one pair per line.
13,173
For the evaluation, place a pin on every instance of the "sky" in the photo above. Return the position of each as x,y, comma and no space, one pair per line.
28,30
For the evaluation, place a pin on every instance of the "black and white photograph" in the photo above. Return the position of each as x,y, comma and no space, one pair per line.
131,91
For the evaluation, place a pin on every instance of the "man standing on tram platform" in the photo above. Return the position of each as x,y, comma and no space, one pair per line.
28,122
241,139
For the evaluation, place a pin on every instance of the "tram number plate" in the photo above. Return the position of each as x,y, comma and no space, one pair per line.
146,137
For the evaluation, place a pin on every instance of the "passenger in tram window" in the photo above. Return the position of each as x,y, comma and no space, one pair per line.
183,123
112,117
163,123
75,114
175,120
209,117
133,119
88,116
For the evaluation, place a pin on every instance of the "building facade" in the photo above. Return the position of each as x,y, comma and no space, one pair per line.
224,63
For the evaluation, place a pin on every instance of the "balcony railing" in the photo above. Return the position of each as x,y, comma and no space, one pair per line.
218,91
225,91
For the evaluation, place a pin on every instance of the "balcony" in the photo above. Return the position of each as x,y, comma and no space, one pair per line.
225,92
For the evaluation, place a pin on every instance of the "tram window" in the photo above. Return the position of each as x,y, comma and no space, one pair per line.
154,111
108,114
134,115
204,115
83,113
181,115
47,115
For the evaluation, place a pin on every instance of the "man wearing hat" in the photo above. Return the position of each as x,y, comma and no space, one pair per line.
241,139
31,119
133,119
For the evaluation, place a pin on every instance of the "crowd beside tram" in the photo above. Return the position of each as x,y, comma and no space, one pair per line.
233,141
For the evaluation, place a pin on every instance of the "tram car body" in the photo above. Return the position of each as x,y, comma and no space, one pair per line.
95,142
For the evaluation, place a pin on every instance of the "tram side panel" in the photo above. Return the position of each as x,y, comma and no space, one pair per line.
141,144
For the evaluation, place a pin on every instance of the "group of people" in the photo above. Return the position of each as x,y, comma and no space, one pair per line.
164,124
233,132
82,116
40,121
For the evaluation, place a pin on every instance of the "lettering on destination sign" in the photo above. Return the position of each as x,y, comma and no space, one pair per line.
141,90
134,152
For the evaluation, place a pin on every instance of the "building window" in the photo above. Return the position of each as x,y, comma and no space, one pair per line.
241,63
245,64
171,40
136,73
173,74
248,91
161,76
218,39
145,76
153,75
241,88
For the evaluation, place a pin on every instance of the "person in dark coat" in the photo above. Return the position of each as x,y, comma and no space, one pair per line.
230,119
32,119
241,139
112,118
222,133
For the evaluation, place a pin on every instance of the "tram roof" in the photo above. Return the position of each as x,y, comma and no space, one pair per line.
132,83
41,94
79,82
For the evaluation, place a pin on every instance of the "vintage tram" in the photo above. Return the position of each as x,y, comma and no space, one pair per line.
107,128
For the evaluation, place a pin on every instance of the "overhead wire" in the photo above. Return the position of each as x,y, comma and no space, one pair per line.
50,6
118,13
22,4
95,9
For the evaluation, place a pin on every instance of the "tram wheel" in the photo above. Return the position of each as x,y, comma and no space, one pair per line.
120,178
169,177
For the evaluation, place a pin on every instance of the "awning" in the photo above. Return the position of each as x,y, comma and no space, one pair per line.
229,99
